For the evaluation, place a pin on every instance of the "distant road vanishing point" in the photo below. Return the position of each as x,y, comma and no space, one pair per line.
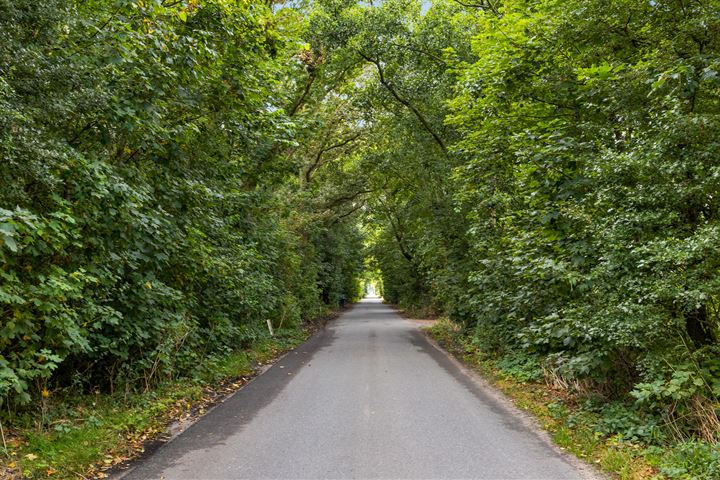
369,397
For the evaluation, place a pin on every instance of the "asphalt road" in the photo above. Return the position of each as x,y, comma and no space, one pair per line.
369,397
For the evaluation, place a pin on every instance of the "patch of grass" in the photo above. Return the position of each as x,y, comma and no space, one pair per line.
90,433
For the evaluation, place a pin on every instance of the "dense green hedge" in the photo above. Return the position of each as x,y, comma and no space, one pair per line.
145,220
590,131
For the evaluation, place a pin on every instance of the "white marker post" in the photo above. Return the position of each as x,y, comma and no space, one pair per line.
269,324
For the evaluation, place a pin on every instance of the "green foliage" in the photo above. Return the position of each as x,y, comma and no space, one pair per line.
148,214
625,421
588,185
544,173
520,366
552,188
693,460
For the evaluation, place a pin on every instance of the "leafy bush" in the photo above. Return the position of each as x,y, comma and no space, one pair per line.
619,419
145,220
692,460
520,366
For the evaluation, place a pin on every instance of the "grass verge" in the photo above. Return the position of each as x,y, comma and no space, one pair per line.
84,436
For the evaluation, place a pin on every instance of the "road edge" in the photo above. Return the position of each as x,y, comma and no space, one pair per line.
589,471
176,428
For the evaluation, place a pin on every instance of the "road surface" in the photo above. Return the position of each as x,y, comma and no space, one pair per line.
369,397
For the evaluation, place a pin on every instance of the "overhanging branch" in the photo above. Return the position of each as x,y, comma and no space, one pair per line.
423,121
